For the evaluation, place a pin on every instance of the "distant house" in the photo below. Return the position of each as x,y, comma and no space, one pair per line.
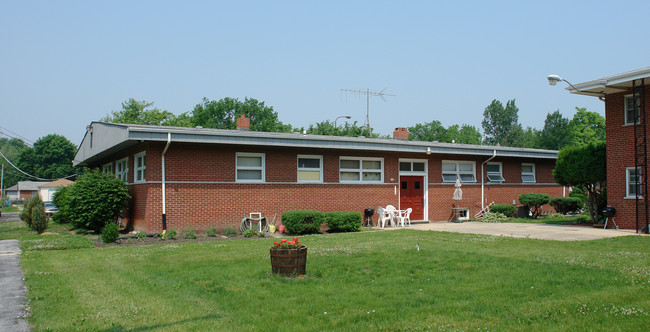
182,177
47,190
627,142
23,190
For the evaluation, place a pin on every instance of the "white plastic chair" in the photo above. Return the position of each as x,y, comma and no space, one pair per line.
405,216
392,212
382,216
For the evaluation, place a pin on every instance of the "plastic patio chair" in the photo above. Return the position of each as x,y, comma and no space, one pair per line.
406,216
382,216
392,213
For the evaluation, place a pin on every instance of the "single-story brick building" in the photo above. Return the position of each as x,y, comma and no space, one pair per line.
182,177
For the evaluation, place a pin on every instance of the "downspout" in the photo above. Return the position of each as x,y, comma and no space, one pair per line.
164,196
483,180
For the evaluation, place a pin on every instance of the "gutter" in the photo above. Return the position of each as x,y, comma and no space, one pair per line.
483,180
164,196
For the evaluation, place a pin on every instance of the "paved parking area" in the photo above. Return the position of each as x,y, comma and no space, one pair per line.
533,231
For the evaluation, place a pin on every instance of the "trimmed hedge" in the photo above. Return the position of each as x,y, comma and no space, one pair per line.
505,209
343,221
565,205
302,221
534,202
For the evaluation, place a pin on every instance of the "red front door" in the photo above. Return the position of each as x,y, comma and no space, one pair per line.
411,195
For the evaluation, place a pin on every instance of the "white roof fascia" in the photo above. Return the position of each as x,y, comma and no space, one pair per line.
610,82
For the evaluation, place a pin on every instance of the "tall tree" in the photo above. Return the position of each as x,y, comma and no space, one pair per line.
50,158
347,129
464,134
529,138
11,148
222,114
587,127
428,131
139,112
501,124
556,133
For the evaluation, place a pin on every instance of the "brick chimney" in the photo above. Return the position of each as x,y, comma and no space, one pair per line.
401,133
243,123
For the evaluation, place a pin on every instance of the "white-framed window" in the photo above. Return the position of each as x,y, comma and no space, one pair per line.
632,189
494,172
250,167
107,168
122,169
412,166
630,117
354,169
463,170
140,167
310,168
463,214
528,173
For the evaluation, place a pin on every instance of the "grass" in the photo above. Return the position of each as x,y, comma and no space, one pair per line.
7,209
56,237
361,281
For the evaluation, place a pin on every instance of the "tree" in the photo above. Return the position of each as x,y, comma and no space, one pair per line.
222,114
587,127
501,124
466,134
529,138
136,112
534,202
583,165
434,131
556,133
50,158
11,148
327,128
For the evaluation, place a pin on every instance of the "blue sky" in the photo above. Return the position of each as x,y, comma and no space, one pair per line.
64,64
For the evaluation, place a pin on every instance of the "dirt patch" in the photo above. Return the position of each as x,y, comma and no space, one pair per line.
149,240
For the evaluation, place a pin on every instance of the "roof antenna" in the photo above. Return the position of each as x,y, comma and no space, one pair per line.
368,93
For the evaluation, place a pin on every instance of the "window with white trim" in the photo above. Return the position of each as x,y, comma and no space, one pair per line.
632,176
412,166
630,116
140,167
250,167
310,168
107,168
353,169
494,172
122,169
463,214
528,173
463,170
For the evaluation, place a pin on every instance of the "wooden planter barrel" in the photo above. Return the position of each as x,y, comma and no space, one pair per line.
289,262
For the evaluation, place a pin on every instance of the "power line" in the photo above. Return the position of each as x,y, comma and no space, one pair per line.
32,176
23,138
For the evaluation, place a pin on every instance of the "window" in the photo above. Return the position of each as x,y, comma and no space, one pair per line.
121,169
140,167
411,166
463,214
250,167
107,168
629,105
528,173
463,170
310,168
494,172
361,169
632,176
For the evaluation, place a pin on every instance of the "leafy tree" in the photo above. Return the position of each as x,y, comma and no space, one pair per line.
501,124
50,158
136,112
464,134
583,165
587,127
11,148
435,131
529,138
556,133
94,200
347,129
222,114
534,202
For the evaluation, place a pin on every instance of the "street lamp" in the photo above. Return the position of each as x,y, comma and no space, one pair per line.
342,116
553,79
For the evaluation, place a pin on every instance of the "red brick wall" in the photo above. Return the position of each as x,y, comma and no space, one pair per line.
620,155
202,192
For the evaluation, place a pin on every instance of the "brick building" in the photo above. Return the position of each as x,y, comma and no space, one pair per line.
199,177
625,107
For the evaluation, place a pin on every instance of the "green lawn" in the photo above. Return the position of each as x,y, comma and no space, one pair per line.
7,209
361,281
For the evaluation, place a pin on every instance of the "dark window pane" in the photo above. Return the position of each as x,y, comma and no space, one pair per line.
418,167
405,167
405,185
416,185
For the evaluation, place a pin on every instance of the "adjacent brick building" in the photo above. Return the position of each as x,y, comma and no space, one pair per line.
625,100
208,177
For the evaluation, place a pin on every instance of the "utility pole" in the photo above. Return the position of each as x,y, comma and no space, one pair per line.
368,93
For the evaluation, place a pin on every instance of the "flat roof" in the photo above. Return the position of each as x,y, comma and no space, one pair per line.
610,84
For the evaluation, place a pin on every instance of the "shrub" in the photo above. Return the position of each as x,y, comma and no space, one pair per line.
170,235
110,233
230,231
189,233
26,213
211,232
505,209
251,232
60,199
39,219
94,200
565,205
343,221
141,236
534,202
494,217
302,221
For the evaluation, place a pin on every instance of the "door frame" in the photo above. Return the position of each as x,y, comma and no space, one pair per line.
425,182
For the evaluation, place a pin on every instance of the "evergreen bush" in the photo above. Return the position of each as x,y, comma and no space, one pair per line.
343,221
60,200
110,233
566,205
302,221
534,202
39,219
505,209
26,213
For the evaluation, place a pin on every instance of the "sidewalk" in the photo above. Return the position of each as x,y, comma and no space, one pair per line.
13,290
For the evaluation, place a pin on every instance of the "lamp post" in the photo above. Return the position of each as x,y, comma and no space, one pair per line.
342,116
553,79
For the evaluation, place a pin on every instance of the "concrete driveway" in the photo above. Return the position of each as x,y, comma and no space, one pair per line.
533,231
12,288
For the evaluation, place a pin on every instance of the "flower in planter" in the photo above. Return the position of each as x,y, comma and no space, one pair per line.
284,244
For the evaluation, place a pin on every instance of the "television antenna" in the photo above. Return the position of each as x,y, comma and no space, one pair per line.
368,94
